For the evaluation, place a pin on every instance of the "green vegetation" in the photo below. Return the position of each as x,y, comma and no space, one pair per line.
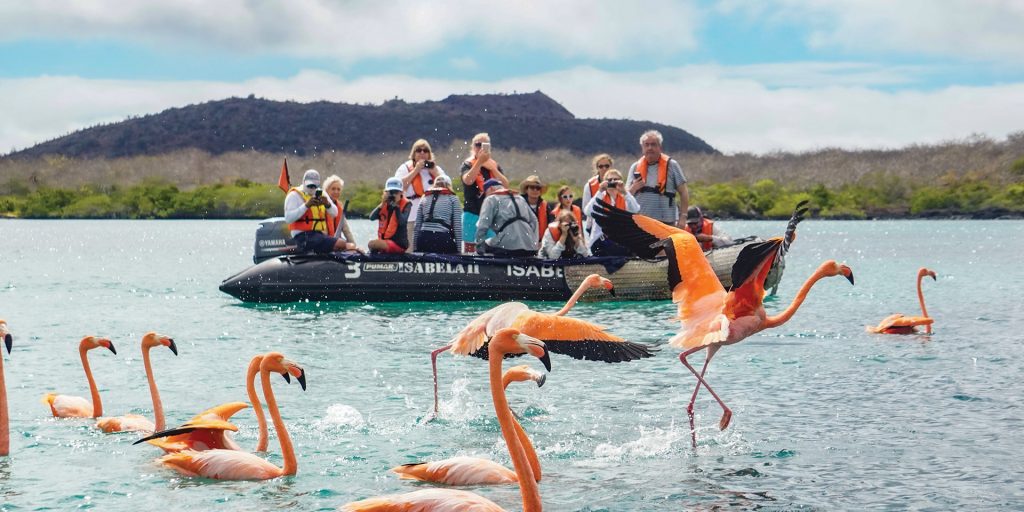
873,195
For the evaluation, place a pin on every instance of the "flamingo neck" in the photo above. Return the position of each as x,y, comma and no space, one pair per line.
250,389
287,451
154,393
524,439
781,318
97,404
584,286
527,484
920,298
5,433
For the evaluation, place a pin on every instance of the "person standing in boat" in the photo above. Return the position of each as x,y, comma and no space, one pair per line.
418,174
392,216
337,225
508,215
658,183
306,211
476,170
612,191
563,238
601,164
533,190
709,234
439,220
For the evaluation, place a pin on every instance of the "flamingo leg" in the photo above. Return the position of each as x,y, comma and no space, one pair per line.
726,412
693,398
433,364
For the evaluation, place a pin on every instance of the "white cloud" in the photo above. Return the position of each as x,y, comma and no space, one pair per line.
355,30
733,109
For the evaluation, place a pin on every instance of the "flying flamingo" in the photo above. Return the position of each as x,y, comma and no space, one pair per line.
134,422
5,433
223,464
64,406
474,470
711,317
899,324
506,341
563,335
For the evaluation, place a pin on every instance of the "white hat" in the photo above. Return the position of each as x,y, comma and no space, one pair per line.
393,184
312,177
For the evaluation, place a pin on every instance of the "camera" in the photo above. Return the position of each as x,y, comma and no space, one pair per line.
393,197
574,229
429,164
319,193
614,183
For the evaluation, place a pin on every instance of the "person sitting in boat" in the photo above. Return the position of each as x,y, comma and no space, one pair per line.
532,189
564,239
658,183
612,191
601,164
306,210
439,220
337,225
477,169
565,204
392,215
709,234
508,215
418,174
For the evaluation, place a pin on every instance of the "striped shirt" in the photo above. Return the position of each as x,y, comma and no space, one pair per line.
653,204
447,210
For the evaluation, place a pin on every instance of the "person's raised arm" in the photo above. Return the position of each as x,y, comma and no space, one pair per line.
294,207
469,176
498,175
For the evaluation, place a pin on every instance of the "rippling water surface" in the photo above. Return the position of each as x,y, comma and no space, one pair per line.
826,416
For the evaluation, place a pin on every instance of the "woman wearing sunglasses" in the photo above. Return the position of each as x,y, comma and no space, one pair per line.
601,164
612,191
417,175
476,170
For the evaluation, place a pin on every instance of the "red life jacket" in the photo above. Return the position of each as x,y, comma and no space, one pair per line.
542,217
641,167
706,229
315,218
417,183
575,211
387,223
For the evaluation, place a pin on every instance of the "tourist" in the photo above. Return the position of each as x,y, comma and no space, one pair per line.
612,191
337,225
477,169
418,174
564,239
306,211
600,163
392,216
532,189
508,215
439,221
658,183
709,234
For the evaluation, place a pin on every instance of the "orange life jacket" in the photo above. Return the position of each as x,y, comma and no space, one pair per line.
641,167
542,217
575,211
480,175
417,183
315,218
594,184
556,234
387,223
706,229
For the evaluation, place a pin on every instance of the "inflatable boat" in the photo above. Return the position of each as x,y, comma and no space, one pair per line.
283,275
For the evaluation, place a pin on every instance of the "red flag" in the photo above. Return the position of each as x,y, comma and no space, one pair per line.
283,182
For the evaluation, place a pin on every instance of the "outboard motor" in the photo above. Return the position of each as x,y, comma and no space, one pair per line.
273,239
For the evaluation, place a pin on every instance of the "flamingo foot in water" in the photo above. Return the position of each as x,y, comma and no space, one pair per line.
693,426
726,417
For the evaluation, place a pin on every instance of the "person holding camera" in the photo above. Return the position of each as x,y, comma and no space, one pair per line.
479,168
418,174
564,239
439,221
306,210
392,216
612,191
658,183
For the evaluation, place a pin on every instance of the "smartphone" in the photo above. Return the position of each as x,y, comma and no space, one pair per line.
485,147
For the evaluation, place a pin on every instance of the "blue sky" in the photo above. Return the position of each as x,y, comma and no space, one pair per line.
744,75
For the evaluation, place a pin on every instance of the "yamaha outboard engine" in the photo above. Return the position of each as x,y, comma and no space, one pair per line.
273,239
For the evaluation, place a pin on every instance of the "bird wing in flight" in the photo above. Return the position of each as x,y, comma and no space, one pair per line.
471,339
578,339
748,275
632,230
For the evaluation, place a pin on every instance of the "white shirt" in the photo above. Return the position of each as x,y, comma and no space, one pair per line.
295,208
425,178
595,232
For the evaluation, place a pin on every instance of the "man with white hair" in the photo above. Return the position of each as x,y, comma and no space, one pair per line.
658,183
306,209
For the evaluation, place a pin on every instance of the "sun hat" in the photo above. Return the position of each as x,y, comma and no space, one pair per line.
532,180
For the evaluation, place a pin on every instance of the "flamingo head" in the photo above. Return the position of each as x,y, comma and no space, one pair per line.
277,363
91,342
831,268
511,341
926,272
523,373
152,339
6,335
594,280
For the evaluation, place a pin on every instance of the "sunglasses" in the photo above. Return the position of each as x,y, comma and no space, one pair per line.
311,186
422,150
478,144
567,196
533,187
604,166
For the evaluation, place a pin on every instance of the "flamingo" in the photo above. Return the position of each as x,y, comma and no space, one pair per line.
711,317
5,433
563,335
899,324
474,470
64,406
505,342
134,422
221,464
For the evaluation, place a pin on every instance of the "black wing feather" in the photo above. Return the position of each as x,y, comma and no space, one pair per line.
618,225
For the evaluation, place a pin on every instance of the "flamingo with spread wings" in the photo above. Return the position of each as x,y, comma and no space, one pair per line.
5,432
474,470
66,406
898,323
504,342
575,338
135,422
711,316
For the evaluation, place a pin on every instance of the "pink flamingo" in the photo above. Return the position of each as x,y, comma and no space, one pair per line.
899,324
5,432
505,341
135,422
711,317
65,406
223,464
474,470
563,335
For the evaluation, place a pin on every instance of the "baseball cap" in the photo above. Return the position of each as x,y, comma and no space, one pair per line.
693,214
312,177
393,184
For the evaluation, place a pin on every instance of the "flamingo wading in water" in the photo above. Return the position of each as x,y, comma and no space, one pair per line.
561,334
712,317
506,341
135,422
65,406
474,470
898,323
5,432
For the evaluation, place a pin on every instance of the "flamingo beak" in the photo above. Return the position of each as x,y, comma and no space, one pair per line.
302,379
849,276
287,378
610,287
546,359
933,276
8,342
172,346
110,344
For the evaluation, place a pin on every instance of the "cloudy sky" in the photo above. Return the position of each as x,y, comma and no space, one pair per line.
745,75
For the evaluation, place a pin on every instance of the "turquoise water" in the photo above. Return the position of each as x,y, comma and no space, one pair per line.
826,416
